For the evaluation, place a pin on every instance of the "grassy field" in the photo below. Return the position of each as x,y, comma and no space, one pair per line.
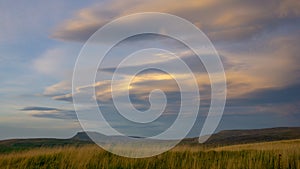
269,155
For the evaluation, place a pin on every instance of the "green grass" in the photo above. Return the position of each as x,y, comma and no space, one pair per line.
18,145
270,155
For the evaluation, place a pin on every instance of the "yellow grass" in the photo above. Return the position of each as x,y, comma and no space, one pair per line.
270,155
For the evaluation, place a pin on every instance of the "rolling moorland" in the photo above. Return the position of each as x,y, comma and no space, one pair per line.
275,148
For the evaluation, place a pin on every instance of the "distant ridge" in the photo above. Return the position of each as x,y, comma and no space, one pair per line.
231,137
225,137
84,136
254,135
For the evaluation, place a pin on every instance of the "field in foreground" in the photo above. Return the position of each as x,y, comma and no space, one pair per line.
269,155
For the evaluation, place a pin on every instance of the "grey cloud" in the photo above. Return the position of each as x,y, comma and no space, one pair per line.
66,97
76,35
221,20
66,115
38,109
192,61
288,94
53,113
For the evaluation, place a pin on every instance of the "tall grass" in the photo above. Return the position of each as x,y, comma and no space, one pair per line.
272,155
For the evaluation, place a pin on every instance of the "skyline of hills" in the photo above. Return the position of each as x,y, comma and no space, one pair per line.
225,137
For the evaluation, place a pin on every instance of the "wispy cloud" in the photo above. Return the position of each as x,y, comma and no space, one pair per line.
49,112
257,42
62,87
51,62
253,77
221,20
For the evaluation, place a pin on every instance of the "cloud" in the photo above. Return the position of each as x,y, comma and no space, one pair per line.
60,91
51,62
86,23
273,67
49,112
64,97
192,61
221,20
270,63
59,88
264,96
261,53
282,102
57,62
38,109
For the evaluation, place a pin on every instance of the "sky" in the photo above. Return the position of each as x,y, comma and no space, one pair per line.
257,41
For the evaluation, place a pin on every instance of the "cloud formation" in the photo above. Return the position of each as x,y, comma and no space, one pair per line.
252,76
49,112
62,87
257,42
221,20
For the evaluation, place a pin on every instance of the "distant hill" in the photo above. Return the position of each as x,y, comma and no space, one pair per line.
254,135
225,137
83,136
231,137
228,137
